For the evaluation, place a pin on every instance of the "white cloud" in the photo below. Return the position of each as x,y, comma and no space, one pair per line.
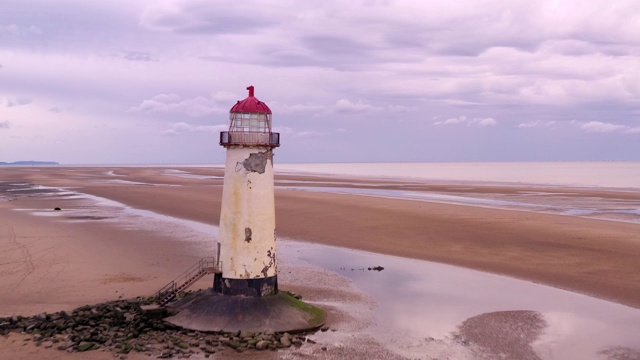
451,121
605,127
182,127
481,122
598,126
536,123
484,122
172,103
348,107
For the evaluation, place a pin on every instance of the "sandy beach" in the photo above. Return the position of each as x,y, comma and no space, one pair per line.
60,260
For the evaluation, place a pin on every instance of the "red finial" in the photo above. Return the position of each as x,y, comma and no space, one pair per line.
250,88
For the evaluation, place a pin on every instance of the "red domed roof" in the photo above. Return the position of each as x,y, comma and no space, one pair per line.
250,105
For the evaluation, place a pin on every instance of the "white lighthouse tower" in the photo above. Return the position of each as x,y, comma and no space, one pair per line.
245,287
247,219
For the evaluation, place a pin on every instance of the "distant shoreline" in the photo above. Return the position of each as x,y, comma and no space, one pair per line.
31,163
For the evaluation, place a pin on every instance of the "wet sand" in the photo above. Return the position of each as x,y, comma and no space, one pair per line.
54,267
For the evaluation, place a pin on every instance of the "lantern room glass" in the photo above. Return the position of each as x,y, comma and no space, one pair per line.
250,122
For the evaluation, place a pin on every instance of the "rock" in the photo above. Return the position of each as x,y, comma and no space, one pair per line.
285,341
245,334
47,344
262,344
224,339
57,209
85,346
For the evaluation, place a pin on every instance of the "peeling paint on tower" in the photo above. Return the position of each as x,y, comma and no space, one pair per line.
256,162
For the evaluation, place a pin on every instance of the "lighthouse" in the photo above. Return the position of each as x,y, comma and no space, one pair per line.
247,238
245,293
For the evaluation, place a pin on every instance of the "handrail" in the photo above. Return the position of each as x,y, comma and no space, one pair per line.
202,265
249,138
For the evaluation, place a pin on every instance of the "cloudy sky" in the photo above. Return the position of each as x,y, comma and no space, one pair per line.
148,81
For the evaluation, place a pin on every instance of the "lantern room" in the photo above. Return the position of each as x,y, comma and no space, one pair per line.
250,124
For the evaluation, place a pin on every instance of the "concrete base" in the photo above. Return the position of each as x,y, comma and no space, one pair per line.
248,287
207,310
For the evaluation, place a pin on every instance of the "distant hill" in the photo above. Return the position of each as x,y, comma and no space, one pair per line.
29,163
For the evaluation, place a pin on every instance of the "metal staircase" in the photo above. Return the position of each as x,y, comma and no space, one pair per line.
207,265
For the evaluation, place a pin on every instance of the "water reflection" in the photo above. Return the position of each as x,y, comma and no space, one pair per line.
418,300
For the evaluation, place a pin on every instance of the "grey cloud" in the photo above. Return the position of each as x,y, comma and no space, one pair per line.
334,45
203,17
18,102
55,109
339,53
138,56
5,125
69,25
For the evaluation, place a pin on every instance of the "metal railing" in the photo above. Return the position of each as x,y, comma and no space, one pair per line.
232,138
207,265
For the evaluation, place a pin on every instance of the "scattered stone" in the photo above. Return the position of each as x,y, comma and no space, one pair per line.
376,268
57,209
123,326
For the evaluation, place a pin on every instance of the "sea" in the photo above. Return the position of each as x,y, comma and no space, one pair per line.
572,174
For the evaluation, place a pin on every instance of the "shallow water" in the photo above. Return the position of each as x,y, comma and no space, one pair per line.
418,300
539,201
